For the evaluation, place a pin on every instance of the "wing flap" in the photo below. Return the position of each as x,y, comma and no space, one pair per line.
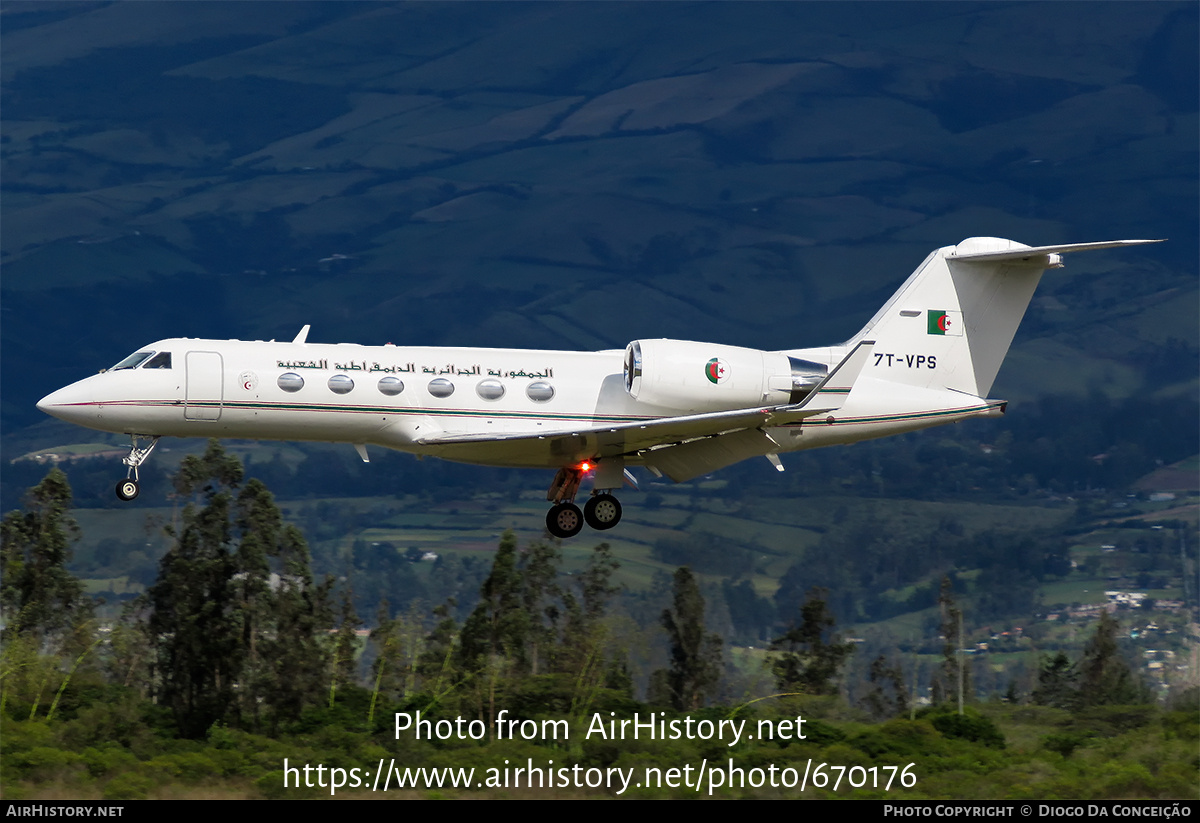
622,438
688,460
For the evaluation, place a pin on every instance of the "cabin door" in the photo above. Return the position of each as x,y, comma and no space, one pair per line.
204,386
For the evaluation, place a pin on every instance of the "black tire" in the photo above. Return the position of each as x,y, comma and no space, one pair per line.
602,511
128,490
564,520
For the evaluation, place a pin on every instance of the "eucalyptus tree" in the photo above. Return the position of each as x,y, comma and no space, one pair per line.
235,614
811,657
37,592
197,613
696,660
47,627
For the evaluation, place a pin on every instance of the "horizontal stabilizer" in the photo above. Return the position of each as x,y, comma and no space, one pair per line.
1028,252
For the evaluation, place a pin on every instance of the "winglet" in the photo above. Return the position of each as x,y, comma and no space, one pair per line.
303,335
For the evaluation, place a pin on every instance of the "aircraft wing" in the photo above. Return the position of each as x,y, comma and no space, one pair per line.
666,444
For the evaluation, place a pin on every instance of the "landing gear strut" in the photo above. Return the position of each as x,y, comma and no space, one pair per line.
602,511
564,518
128,488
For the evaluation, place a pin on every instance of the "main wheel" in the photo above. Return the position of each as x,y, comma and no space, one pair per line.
602,511
127,489
564,520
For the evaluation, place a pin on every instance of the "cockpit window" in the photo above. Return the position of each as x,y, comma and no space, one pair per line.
133,361
162,360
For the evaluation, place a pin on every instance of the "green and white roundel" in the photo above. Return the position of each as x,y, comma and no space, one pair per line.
716,371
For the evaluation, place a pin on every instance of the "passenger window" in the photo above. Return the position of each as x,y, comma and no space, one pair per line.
540,392
162,360
391,386
490,389
441,387
340,384
291,382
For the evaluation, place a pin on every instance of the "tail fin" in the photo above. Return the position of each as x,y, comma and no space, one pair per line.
951,323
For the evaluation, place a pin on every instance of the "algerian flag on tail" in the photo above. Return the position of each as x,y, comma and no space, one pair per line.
947,323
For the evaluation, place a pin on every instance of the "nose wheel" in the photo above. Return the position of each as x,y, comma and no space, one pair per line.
128,488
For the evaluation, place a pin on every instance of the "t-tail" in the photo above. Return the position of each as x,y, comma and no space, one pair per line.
951,323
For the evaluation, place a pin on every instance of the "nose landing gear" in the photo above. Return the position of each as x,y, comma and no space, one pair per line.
602,511
129,488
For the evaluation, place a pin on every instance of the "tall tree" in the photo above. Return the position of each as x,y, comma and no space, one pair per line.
37,592
811,655
1058,683
236,616
540,600
436,662
887,697
196,618
1104,675
585,652
346,647
696,662
47,618
131,648
300,614
399,642
952,678
492,644
595,584
498,624
257,521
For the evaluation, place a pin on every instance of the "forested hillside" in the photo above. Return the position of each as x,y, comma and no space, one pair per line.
237,656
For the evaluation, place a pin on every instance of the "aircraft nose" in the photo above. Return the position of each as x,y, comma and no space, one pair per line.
71,403
48,402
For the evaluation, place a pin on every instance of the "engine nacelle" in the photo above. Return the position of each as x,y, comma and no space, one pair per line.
700,377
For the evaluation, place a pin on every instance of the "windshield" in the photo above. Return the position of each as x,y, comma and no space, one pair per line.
133,361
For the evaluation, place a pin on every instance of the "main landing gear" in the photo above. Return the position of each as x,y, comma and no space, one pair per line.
602,511
128,488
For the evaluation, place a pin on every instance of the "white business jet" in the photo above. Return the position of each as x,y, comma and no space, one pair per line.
678,408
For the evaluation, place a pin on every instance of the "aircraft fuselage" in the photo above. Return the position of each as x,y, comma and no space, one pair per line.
406,398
